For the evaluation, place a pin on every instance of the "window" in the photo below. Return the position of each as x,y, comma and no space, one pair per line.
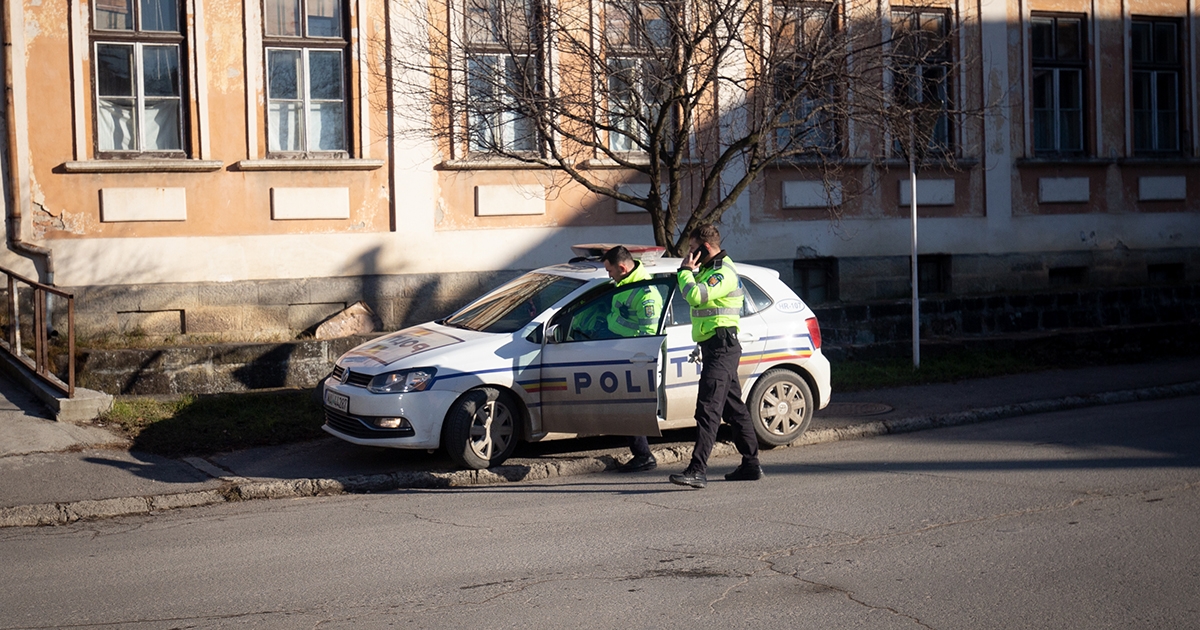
803,40
1058,78
815,279
921,65
933,274
1067,276
138,85
632,310
637,37
503,75
1157,94
306,50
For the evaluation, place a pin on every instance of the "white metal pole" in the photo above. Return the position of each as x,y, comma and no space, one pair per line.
916,304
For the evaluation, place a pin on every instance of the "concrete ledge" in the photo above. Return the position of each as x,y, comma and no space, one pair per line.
86,405
245,489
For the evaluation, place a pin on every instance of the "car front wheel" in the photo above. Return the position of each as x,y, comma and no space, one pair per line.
481,429
781,407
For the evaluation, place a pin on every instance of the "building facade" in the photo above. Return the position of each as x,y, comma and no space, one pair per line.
245,168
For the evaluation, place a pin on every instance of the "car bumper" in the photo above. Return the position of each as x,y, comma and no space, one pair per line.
424,411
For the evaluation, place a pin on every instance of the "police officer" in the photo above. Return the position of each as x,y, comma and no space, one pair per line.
634,313
709,282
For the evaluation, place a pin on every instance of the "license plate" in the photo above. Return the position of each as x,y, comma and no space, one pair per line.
341,402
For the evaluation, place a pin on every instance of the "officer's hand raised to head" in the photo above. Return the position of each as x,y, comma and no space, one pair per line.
692,260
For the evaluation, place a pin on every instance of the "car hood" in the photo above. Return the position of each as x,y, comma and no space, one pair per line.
425,344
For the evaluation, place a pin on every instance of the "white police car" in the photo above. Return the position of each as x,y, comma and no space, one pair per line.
518,364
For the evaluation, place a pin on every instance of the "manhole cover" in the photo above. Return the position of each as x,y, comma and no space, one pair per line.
855,409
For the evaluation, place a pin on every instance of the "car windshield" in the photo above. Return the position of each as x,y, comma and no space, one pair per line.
512,306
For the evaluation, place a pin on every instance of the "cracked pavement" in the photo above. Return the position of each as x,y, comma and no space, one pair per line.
1083,518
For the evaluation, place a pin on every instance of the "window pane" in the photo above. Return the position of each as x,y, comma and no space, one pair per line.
160,15
1070,39
1167,116
115,15
618,25
282,17
482,27
1139,47
160,70
1165,43
325,75
327,127
1142,96
1042,37
285,126
115,124
1071,128
1043,88
283,69
162,131
324,18
1070,89
1143,131
114,67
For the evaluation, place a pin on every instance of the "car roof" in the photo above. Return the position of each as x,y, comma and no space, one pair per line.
591,269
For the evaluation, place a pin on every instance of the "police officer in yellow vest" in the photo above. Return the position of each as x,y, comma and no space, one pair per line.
634,313
709,282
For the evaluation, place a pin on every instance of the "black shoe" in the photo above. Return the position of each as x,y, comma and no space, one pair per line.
745,473
690,478
639,463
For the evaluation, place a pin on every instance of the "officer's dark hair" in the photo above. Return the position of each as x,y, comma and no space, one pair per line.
617,256
707,233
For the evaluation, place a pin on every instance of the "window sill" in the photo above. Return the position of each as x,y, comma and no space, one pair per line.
1162,160
489,164
801,161
960,163
1064,161
143,166
329,164
632,160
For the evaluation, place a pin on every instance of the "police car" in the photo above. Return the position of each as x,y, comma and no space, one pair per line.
520,364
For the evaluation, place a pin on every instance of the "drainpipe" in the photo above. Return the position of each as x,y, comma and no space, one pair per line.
13,16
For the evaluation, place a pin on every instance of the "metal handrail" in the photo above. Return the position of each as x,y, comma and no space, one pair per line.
41,336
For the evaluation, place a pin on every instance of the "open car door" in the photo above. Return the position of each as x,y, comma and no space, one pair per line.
603,379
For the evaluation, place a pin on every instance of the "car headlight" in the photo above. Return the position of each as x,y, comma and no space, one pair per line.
402,381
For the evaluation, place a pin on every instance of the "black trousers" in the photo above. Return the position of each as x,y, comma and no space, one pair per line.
639,446
720,396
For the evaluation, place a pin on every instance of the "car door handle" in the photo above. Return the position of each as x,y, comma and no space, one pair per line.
641,358
745,336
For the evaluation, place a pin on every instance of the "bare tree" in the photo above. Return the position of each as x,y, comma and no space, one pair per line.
693,99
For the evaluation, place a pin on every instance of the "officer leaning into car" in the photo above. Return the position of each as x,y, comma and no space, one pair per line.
709,282
634,313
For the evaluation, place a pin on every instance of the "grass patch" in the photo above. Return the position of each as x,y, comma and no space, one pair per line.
211,423
852,375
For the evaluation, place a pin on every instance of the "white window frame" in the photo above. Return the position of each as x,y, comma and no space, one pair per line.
1056,67
1156,70
822,137
304,92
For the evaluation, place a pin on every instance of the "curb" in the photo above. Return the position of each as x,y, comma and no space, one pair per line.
241,489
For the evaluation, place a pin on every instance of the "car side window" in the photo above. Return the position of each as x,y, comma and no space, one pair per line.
633,310
754,301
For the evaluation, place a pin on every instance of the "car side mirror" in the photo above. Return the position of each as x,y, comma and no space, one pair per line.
552,333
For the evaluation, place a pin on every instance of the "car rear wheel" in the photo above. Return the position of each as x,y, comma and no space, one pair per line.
781,407
481,429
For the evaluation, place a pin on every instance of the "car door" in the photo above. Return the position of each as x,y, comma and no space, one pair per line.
596,382
681,376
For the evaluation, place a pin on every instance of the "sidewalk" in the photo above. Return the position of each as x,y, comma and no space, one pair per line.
52,473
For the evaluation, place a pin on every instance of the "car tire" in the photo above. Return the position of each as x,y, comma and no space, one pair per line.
781,406
481,429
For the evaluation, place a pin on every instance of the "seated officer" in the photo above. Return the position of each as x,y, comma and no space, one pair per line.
634,313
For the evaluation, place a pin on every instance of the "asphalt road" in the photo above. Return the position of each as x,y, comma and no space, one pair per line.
1079,519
